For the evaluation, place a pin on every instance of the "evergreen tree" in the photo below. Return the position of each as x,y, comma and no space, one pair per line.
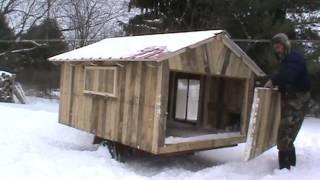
245,19
6,33
36,71
47,30
6,44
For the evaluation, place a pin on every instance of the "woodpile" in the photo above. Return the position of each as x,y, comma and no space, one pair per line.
6,87
10,89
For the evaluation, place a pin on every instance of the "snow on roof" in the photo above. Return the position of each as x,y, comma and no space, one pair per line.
147,47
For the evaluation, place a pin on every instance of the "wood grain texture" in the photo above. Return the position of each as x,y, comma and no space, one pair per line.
241,54
213,58
65,93
201,145
247,104
222,102
130,118
161,106
264,122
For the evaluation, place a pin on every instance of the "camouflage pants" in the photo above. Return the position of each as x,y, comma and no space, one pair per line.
293,109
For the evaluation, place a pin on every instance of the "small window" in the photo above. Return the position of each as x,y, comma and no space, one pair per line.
187,99
100,81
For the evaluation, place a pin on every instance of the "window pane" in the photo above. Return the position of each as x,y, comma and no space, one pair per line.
181,101
193,100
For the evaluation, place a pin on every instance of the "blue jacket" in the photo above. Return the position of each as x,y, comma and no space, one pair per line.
293,74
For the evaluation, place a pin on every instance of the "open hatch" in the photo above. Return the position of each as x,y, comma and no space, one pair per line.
204,108
207,112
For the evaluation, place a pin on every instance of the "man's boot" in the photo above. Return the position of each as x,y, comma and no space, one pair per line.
284,159
292,157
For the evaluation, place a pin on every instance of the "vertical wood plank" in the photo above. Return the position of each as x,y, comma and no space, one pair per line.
119,122
143,91
216,51
162,81
72,99
136,102
127,103
131,88
244,112
148,110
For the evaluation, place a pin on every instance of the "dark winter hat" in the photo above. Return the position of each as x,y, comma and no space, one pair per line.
282,39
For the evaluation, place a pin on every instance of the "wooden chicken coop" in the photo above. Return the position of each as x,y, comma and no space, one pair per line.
168,93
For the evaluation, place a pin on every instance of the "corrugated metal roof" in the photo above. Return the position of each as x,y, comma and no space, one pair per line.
144,48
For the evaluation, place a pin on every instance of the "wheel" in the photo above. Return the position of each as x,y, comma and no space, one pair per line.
116,151
98,140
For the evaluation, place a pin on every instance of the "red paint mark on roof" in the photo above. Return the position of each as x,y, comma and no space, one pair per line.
150,53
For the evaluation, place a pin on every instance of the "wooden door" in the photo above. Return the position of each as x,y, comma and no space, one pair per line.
264,122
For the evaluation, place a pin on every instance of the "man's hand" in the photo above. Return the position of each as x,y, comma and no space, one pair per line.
268,84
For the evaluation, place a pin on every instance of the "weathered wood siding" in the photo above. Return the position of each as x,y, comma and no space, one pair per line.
247,104
214,58
222,101
264,122
130,117
202,144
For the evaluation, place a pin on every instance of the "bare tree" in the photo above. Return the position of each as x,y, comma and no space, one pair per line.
8,6
21,15
86,20
83,21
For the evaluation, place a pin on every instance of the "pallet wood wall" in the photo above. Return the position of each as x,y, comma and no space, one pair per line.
210,102
129,118
214,58
223,102
247,104
236,98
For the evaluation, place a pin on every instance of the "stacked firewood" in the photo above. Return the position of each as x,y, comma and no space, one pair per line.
6,87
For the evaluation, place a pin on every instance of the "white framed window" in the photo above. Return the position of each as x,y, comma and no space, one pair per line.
187,97
101,80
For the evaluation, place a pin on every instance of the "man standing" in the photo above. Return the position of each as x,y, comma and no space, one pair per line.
293,81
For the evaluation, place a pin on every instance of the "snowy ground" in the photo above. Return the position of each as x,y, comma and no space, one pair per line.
34,146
